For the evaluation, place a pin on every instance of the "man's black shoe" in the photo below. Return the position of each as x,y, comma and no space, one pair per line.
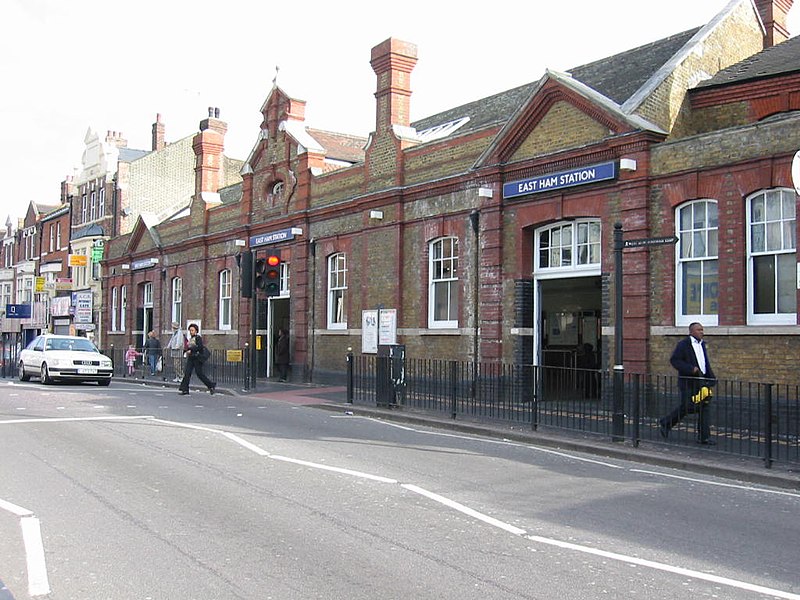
707,442
182,393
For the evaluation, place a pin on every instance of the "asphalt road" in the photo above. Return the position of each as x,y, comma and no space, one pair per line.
135,492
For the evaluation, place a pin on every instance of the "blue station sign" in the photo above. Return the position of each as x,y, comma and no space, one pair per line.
272,237
562,179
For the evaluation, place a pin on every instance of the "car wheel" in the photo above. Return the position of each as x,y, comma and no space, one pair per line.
46,379
23,376
104,382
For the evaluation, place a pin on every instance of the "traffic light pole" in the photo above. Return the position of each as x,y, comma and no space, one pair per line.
253,317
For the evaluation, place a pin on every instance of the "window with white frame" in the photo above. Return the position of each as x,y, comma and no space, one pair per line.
123,307
5,294
58,236
697,285
570,246
147,294
25,289
84,207
337,286
52,236
114,308
93,206
772,258
443,290
177,300
101,201
284,278
225,306
80,274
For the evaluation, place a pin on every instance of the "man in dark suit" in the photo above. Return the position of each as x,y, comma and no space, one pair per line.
690,359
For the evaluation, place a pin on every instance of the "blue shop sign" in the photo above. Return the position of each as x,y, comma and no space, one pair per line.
272,237
560,180
18,311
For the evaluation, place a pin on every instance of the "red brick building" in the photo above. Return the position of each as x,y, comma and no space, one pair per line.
486,231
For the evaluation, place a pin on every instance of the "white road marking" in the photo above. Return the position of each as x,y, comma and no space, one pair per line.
341,470
718,483
73,419
464,509
488,441
743,585
38,584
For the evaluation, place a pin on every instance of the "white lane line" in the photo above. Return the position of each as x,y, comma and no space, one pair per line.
245,444
749,488
73,419
38,584
14,509
488,441
464,509
360,474
664,567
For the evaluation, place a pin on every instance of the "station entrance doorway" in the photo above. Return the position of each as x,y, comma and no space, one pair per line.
567,317
273,315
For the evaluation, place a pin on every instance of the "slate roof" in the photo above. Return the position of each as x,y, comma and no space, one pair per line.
131,154
339,146
617,77
781,59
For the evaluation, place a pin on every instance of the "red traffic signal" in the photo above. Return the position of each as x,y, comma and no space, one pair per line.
272,274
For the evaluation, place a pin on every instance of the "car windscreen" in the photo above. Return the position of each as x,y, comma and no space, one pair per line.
79,345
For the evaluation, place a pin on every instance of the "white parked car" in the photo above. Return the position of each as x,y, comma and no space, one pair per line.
64,357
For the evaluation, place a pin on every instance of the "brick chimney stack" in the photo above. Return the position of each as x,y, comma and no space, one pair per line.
116,138
158,134
773,14
393,61
208,146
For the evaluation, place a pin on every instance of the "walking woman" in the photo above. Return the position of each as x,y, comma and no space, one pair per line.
196,354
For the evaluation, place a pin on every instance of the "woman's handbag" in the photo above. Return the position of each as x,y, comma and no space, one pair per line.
205,354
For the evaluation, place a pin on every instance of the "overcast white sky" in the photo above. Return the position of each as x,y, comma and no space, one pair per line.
112,65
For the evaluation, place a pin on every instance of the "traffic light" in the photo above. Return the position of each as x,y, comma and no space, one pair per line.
245,261
268,274
260,269
273,274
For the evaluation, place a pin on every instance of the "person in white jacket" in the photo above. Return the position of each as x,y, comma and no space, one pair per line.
177,346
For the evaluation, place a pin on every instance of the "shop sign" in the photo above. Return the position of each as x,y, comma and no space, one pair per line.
18,311
82,302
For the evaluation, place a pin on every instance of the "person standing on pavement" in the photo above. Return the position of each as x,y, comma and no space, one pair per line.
152,349
690,359
177,346
196,354
282,354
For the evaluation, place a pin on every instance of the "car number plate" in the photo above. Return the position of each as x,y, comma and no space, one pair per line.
87,371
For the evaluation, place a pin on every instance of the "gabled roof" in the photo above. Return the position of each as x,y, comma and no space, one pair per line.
131,154
781,59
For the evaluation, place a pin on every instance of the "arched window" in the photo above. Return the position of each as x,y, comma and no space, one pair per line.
443,291
697,271
772,258
569,246
225,305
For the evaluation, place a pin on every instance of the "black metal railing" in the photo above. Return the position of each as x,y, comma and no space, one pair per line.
746,418
229,368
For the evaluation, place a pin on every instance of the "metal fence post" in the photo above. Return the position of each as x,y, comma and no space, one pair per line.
768,425
349,375
636,408
453,388
247,366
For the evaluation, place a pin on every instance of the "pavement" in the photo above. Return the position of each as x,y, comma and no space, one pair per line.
692,459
